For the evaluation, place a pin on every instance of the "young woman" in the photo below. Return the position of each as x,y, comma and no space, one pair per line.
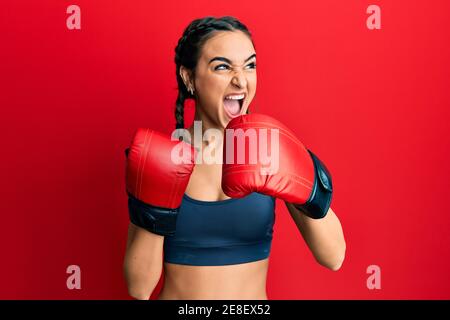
221,246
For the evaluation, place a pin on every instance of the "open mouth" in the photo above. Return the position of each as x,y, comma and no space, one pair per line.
233,104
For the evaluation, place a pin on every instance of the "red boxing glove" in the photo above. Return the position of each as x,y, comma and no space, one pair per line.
294,173
156,178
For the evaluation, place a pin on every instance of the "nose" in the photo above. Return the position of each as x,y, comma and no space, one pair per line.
239,79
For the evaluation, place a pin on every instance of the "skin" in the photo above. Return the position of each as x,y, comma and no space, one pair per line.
211,83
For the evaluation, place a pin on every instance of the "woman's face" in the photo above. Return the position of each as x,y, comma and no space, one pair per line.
226,69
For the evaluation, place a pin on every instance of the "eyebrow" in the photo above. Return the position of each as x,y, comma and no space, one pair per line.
228,60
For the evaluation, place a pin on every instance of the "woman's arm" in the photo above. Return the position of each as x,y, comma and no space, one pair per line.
143,262
324,237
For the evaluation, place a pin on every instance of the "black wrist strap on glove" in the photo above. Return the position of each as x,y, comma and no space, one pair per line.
157,220
319,202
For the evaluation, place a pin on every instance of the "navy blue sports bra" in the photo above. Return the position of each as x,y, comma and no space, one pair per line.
213,233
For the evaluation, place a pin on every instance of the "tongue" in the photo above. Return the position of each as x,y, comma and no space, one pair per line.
232,106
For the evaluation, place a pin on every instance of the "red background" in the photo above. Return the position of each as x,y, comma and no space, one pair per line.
374,104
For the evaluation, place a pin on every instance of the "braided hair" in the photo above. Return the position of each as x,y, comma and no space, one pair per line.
188,49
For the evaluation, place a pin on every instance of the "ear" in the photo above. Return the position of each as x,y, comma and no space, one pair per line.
186,75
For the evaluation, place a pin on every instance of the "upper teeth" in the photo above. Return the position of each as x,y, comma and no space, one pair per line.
241,96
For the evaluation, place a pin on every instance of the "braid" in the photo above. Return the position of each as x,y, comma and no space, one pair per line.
179,110
188,49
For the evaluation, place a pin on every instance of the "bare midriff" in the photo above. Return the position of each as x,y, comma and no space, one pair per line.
246,281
